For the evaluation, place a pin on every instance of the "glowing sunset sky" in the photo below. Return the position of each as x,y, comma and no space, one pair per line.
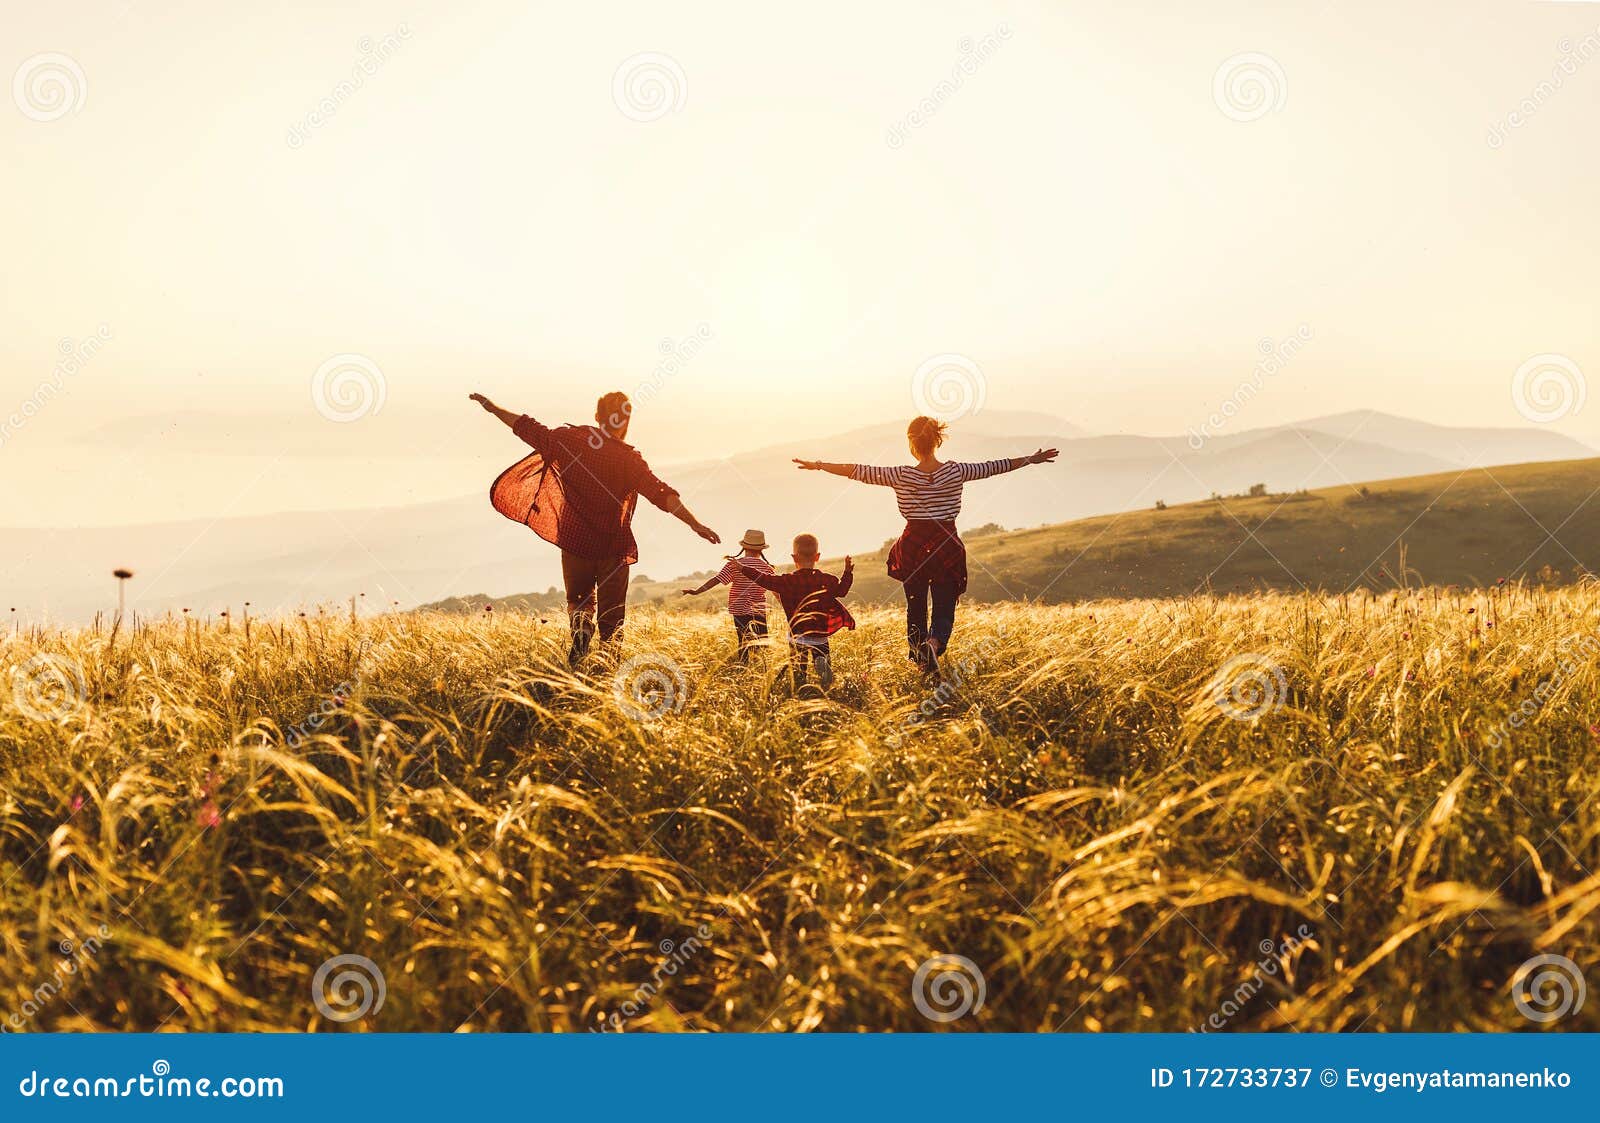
1094,218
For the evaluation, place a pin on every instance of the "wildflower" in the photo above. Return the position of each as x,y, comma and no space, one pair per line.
77,803
210,815
1371,672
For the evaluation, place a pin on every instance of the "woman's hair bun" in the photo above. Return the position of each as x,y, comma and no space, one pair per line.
926,434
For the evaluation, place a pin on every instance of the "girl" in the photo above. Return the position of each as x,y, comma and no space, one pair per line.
747,601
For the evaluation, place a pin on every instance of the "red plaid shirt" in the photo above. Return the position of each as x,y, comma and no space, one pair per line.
810,599
578,490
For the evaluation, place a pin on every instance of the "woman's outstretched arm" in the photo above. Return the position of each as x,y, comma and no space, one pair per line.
823,466
1042,456
983,469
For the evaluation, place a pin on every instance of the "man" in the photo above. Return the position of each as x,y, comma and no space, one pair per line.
578,491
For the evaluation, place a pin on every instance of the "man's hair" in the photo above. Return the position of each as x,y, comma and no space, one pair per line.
613,410
805,545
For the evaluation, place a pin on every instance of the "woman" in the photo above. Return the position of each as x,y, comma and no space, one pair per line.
929,558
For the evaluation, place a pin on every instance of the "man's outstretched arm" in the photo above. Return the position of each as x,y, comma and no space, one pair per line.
674,507
504,415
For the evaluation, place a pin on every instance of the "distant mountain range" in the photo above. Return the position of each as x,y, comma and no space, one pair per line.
1471,529
428,552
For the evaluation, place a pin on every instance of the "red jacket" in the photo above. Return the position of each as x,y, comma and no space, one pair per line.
578,490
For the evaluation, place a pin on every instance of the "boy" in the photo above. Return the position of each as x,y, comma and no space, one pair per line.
747,601
811,602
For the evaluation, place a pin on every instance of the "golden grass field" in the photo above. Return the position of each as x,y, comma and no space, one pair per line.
1336,833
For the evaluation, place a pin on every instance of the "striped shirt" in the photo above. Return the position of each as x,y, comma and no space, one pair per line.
930,495
745,597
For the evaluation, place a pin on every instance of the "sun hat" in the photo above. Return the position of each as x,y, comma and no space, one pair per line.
753,540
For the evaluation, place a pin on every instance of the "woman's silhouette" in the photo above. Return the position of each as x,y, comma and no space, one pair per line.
929,558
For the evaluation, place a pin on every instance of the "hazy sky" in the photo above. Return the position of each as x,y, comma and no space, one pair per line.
792,207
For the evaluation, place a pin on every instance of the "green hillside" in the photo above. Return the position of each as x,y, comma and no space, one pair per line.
1527,522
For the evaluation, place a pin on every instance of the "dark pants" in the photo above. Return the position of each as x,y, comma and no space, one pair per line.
813,650
943,595
590,581
751,629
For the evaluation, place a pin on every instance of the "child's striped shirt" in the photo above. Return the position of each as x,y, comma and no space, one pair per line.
745,597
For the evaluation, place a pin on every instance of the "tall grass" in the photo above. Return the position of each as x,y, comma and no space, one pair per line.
1116,837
